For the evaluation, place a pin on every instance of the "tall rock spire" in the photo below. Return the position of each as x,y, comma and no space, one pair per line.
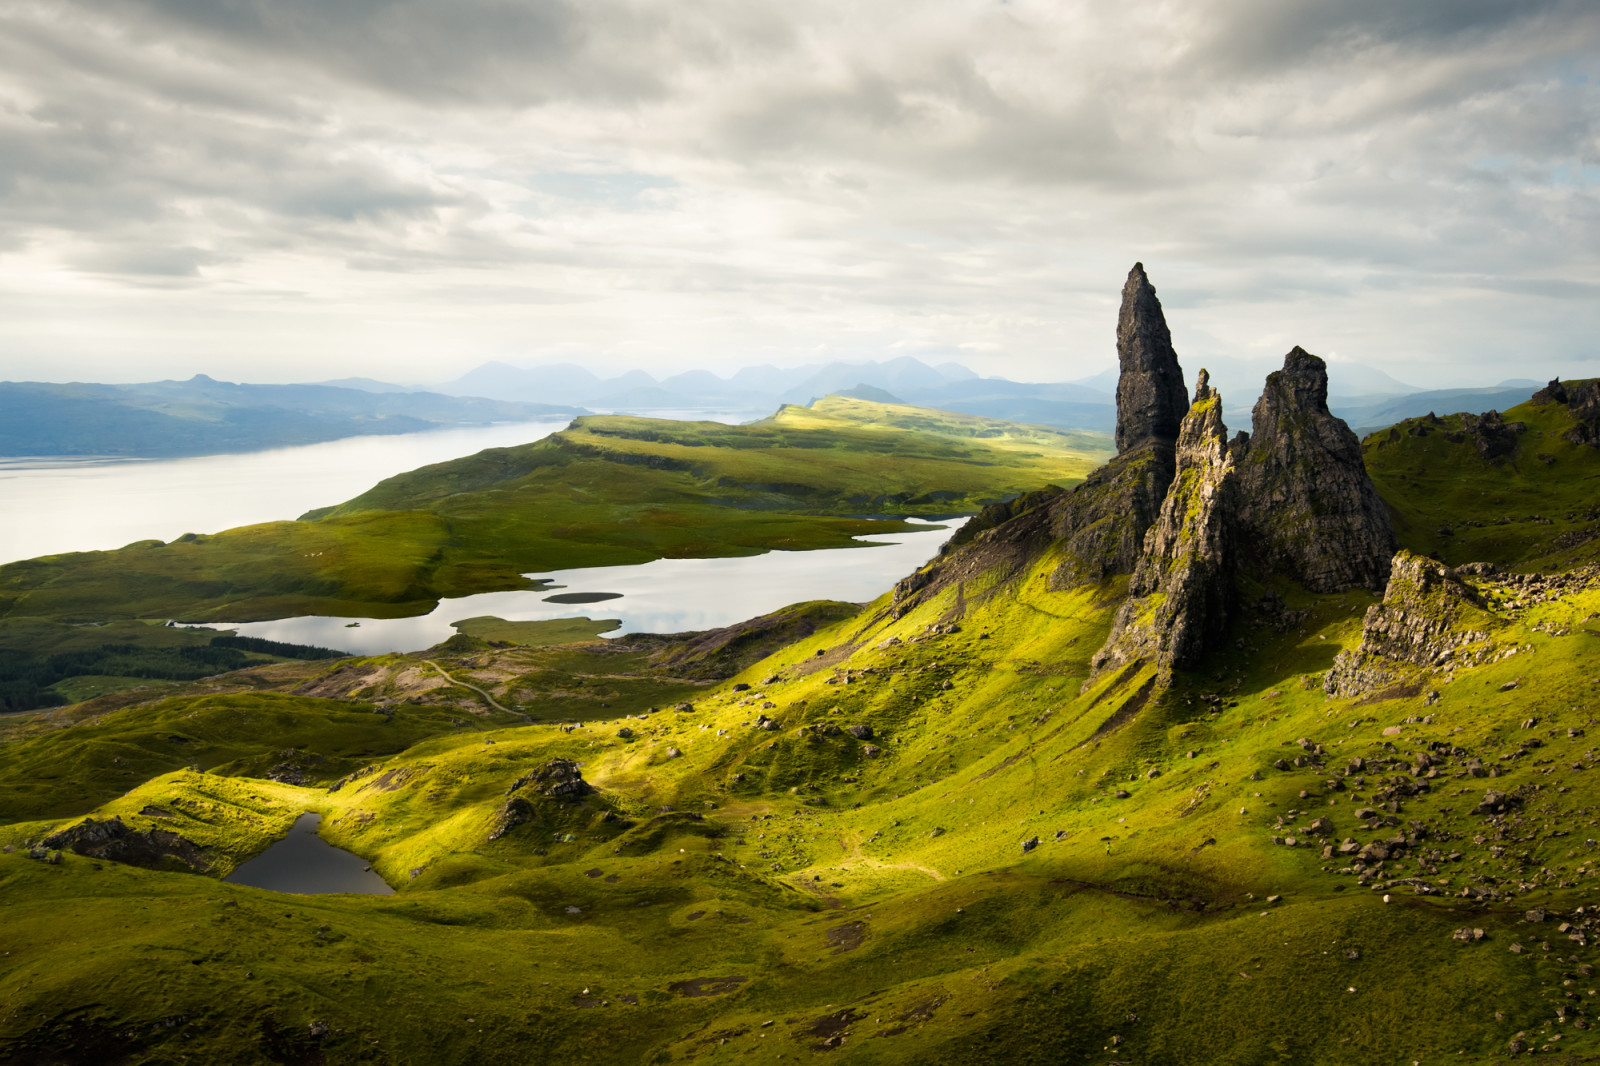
1306,500
1181,593
1151,400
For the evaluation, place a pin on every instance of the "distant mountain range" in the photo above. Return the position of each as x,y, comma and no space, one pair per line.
166,419
202,416
1364,396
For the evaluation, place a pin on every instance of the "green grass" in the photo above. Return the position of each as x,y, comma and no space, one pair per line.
886,887
1534,507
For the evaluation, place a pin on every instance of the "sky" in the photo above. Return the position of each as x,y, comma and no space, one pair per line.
298,190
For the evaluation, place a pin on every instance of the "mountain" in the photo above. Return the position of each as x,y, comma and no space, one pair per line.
1372,413
202,416
368,385
948,386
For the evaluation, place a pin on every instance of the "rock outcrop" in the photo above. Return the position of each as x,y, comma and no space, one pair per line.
1151,400
1100,523
1429,619
1103,521
1582,399
1492,435
1181,592
558,779
115,842
1308,508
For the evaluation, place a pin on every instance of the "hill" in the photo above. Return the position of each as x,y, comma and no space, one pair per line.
1199,760
166,419
606,490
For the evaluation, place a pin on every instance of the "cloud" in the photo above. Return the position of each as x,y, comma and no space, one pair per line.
706,183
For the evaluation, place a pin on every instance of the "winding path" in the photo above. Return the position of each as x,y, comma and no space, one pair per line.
488,698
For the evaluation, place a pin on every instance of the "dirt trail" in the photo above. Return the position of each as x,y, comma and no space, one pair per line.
488,698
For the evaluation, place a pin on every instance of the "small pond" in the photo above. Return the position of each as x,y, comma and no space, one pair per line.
304,863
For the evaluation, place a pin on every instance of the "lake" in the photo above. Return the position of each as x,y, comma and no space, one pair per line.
664,596
75,504
304,863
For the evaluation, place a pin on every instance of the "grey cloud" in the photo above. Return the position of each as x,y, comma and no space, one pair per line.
1255,35
144,260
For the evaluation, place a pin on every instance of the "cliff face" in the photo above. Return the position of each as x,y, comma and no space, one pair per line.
1429,620
1307,506
1180,509
1181,592
1101,523
1104,520
1151,401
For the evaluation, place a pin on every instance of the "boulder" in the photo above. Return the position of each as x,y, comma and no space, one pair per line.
559,779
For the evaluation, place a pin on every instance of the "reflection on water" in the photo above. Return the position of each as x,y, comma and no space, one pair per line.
94,504
304,863
664,596
57,505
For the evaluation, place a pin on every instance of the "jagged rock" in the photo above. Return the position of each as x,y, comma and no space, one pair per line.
1493,436
1101,523
1181,592
1310,509
1582,399
860,732
1151,399
514,812
287,773
559,779
1429,617
115,842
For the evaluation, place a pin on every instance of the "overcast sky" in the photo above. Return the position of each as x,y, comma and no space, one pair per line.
280,190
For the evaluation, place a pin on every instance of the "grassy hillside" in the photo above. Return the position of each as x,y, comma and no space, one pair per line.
901,833
607,491
1518,497
766,895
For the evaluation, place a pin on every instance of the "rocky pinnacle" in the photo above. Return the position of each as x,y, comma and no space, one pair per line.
1181,594
1151,400
1307,504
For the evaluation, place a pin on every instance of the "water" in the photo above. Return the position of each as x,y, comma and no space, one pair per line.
664,596
304,863
65,505
73,504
